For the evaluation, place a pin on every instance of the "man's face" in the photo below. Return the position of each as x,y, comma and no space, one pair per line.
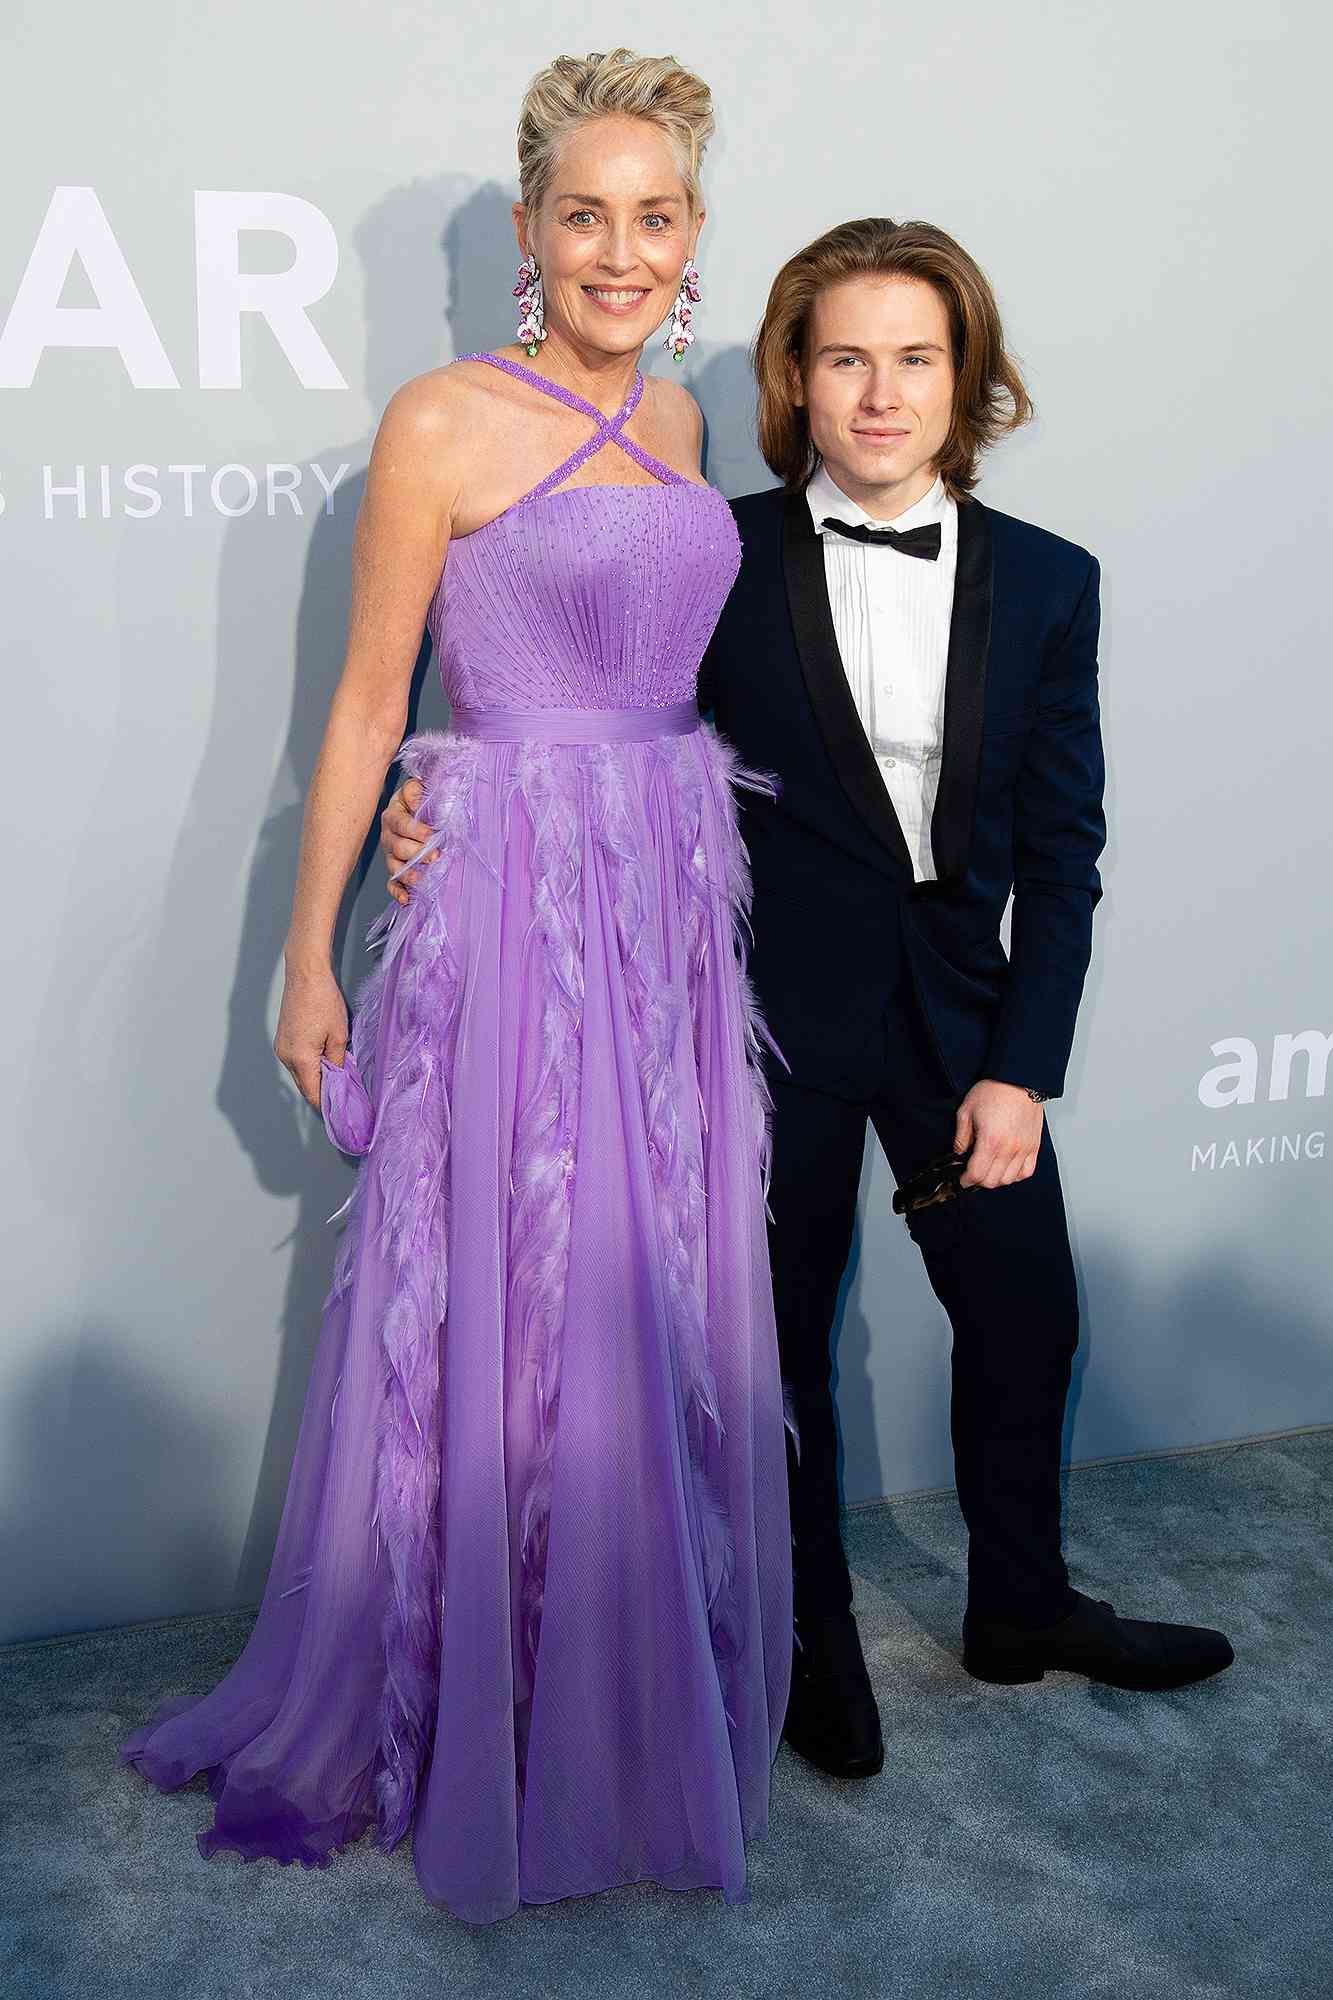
878,388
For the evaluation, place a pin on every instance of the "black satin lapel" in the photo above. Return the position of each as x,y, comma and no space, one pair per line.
964,691
826,682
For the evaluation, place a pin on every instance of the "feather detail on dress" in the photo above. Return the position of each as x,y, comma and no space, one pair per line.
409,1157
660,1008
564,794
543,1162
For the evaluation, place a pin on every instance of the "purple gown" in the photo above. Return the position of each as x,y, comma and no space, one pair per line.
531,1592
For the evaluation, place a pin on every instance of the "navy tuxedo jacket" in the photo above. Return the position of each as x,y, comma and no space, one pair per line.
1019,806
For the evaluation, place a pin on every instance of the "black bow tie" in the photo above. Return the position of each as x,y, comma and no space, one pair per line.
923,542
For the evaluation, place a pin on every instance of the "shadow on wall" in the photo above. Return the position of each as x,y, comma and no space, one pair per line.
1170,1361
82,1512
723,384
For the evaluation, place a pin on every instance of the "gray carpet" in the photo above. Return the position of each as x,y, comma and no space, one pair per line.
1058,1839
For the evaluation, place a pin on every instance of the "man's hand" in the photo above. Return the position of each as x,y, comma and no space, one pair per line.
999,1127
401,835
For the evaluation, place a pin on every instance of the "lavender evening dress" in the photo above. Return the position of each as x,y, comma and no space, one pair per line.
531,1593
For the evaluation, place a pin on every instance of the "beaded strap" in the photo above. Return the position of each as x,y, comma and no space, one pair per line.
609,429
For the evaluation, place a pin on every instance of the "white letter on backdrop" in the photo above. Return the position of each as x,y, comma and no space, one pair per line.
75,225
1231,1082
225,291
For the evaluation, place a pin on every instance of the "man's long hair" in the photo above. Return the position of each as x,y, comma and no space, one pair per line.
989,398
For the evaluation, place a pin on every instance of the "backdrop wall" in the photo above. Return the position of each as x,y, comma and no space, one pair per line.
224,241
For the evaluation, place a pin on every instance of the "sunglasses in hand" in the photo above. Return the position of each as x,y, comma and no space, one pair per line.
937,1181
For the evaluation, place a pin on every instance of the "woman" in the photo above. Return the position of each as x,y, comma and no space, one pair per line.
531,1591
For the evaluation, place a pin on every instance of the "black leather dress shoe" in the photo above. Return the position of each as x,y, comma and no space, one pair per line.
832,1720
1123,1652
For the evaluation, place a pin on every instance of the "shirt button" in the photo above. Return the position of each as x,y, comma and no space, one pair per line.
890,761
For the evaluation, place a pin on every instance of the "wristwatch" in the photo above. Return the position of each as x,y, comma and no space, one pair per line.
1037,1096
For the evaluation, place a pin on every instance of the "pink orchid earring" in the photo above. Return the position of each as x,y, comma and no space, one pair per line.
531,309
681,333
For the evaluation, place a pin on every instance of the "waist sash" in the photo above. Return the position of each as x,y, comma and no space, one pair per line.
574,725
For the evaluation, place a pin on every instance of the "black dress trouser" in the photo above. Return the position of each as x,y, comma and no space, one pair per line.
1000,1264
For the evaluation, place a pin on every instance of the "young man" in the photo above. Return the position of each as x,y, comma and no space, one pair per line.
921,673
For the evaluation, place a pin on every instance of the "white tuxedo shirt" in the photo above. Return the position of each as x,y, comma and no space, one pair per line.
891,617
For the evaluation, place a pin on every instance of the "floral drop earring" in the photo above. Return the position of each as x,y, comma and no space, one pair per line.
681,333
528,292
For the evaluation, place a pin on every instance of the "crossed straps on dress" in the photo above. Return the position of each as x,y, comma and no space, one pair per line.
609,429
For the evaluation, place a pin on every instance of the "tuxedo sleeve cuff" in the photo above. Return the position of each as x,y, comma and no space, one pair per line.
1049,1087
1032,1066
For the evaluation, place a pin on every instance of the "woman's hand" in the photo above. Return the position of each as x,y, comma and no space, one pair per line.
401,835
312,1022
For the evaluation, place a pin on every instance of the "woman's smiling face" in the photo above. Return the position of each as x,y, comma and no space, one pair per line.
613,235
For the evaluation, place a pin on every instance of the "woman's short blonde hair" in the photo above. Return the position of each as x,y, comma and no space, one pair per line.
574,89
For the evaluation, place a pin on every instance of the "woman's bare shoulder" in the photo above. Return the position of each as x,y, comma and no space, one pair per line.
673,402
437,422
438,400
676,419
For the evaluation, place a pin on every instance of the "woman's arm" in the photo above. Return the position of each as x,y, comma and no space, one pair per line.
399,546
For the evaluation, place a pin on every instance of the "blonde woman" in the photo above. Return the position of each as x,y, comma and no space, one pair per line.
531,1595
